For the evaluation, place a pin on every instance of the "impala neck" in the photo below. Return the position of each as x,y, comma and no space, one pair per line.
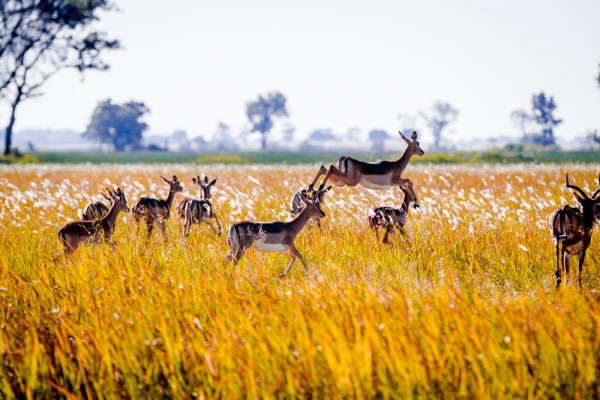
298,223
170,198
406,204
405,158
111,217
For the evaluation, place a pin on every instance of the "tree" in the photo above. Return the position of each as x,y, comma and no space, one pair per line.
522,119
542,113
441,115
41,37
261,112
378,138
118,125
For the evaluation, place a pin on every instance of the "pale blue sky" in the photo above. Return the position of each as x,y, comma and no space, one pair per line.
341,64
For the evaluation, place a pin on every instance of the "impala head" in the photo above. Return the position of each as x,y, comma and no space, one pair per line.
313,202
174,184
204,186
118,199
413,145
409,194
589,205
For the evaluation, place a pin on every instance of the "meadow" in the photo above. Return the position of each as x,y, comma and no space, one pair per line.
465,306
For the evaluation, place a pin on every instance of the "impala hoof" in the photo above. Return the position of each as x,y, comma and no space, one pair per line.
282,275
219,233
416,204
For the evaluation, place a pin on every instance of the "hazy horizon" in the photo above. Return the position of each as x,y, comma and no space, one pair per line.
340,64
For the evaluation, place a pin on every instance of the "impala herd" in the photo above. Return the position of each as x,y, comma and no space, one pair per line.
571,227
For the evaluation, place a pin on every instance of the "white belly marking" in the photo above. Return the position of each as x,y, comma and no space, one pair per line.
269,247
369,185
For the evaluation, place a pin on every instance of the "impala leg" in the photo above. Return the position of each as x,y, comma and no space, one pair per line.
388,230
580,271
558,267
338,178
322,171
149,228
163,229
376,229
213,227
293,253
218,224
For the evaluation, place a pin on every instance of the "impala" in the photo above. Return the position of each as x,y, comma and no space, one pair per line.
299,201
273,236
388,217
97,209
75,233
195,211
156,210
571,229
382,175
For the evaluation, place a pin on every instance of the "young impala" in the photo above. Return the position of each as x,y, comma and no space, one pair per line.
389,218
382,175
156,210
75,233
195,211
571,229
273,236
97,209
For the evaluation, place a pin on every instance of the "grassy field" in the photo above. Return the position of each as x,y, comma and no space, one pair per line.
465,306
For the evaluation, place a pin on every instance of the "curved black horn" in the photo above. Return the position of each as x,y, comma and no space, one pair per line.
575,187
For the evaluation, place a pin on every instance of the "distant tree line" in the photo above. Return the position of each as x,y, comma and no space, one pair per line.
40,38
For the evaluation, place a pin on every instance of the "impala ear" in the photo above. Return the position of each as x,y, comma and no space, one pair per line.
205,179
110,193
414,135
403,137
213,182
161,177
194,180
174,178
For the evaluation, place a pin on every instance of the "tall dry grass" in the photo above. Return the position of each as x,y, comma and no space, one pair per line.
463,307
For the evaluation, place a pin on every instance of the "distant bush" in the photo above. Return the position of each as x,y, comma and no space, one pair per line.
223,159
19,159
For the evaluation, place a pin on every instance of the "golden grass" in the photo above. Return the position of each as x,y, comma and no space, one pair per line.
464,307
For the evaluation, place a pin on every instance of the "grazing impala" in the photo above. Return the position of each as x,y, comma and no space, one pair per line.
382,175
97,209
388,217
75,233
156,210
273,236
299,201
195,211
571,229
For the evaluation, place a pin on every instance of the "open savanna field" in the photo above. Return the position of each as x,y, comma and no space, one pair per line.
465,306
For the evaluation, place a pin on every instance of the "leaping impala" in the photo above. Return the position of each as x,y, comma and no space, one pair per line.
75,233
349,171
571,229
156,210
389,218
273,236
195,211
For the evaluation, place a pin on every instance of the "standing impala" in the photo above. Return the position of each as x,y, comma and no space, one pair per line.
388,217
382,175
156,210
97,209
195,211
75,233
273,236
571,229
